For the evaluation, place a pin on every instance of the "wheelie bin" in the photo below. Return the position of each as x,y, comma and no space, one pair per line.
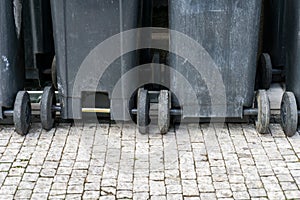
228,34
272,61
38,42
13,101
79,27
291,98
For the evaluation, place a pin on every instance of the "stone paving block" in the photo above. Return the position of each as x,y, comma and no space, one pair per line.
108,191
288,186
124,194
39,196
23,194
157,188
26,185
91,195
59,186
189,188
75,189
46,172
14,181
241,195
5,167
56,197
7,197
275,195
92,186
211,196
174,189
32,177
257,193
110,161
8,190
292,194
224,193
58,192
74,197
140,195
221,185
191,198
33,169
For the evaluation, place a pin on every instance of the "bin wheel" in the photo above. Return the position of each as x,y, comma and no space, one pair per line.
22,113
54,73
265,71
143,107
164,111
47,113
289,114
263,107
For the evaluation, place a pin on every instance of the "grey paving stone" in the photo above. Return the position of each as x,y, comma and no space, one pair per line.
157,188
23,194
241,195
75,189
224,193
276,195
189,188
257,192
174,189
99,161
91,194
38,196
292,194
124,194
140,195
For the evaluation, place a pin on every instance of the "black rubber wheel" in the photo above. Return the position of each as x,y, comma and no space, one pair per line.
164,111
289,114
265,71
54,73
22,113
264,113
47,113
143,107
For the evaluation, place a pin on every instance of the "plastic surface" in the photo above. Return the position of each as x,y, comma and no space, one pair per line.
229,32
79,26
11,57
293,48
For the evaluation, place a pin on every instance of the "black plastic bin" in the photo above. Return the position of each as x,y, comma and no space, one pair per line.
228,35
291,98
272,61
38,41
13,101
79,27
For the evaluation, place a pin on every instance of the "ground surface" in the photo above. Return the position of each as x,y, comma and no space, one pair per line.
207,162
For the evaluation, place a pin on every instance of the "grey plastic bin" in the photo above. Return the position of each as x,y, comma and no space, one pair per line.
228,32
13,101
79,27
291,98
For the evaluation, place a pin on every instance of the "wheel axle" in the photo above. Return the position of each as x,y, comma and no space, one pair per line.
251,112
173,112
8,113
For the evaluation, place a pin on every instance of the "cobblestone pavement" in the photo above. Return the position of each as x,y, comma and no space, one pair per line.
229,161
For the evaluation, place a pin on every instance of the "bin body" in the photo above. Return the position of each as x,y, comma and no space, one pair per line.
293,48
38,39
274,34
11,52
79,27
229,32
